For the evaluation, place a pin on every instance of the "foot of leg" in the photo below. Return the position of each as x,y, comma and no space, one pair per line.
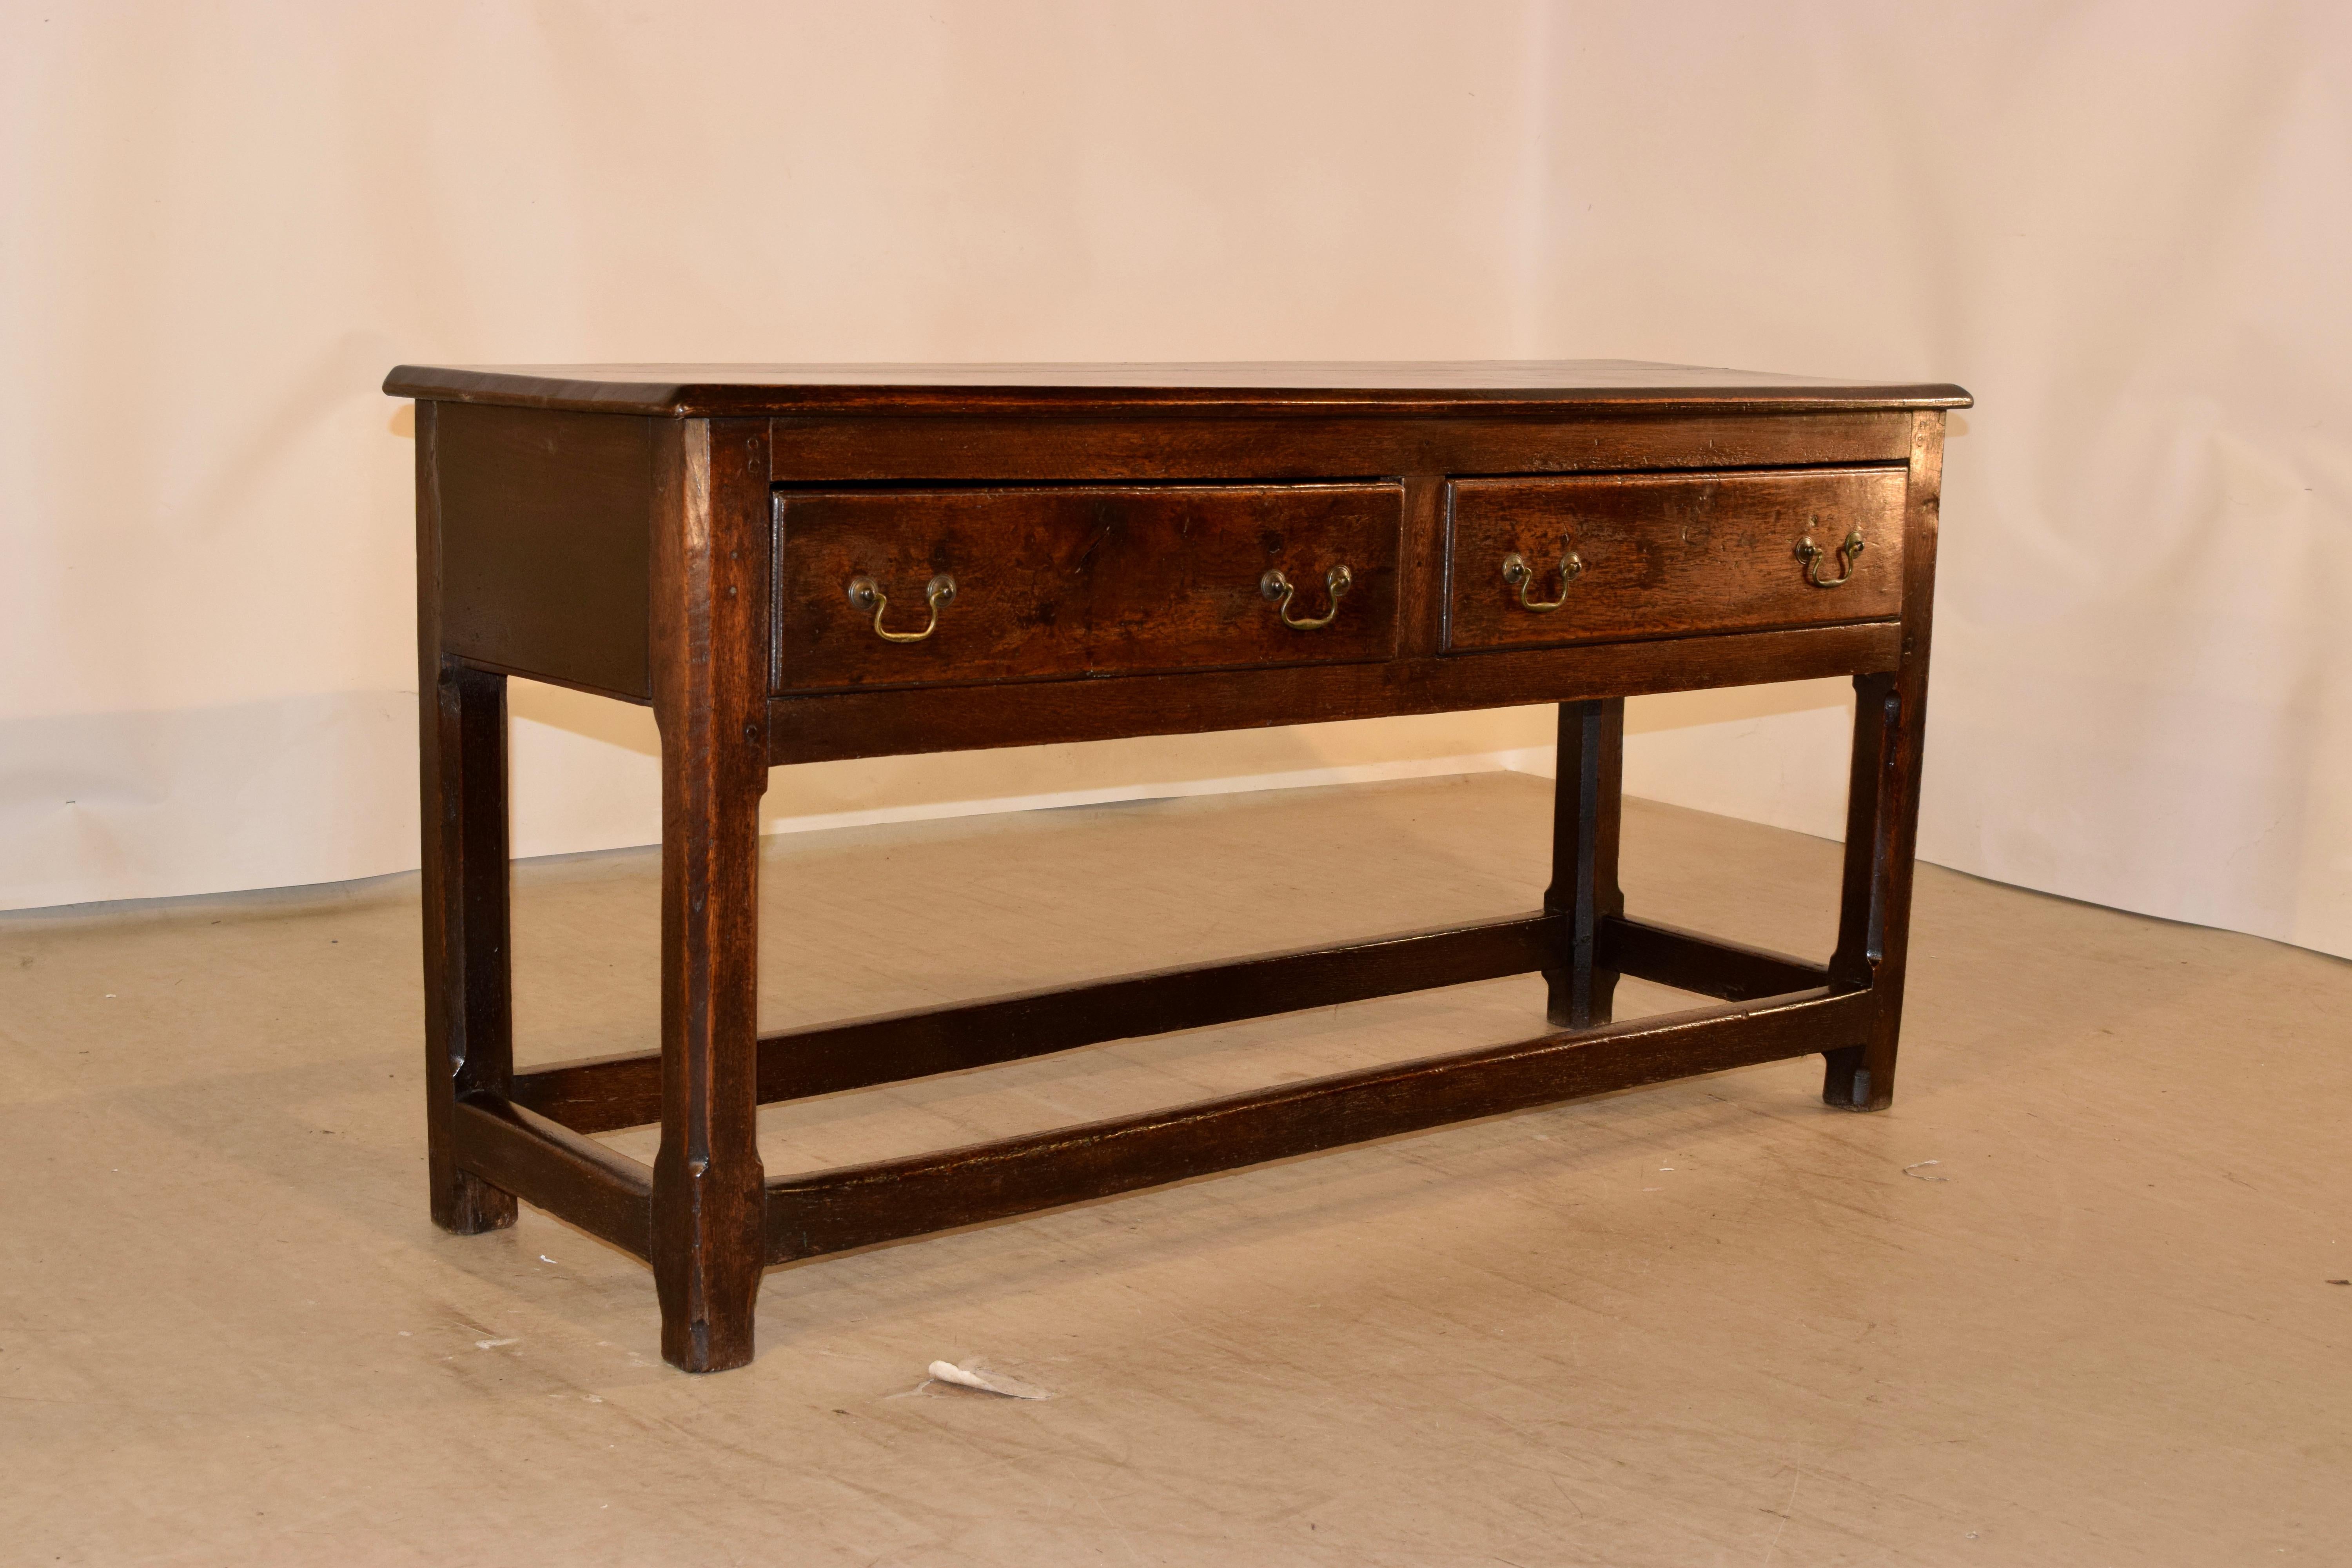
1853,1082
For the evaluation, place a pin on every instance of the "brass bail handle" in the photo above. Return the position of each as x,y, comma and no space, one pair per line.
866,594
1813,555
1522,576
1275,585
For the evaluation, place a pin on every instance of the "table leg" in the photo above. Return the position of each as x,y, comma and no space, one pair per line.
469,1007
709,621
1587,804
1875,912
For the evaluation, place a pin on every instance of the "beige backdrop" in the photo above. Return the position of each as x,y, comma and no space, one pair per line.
2124,225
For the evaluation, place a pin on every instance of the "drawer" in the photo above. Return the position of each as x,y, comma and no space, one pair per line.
1077,581
1670,554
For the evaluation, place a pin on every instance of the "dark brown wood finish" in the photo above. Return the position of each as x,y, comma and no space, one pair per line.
538,1157
1199,444
1883,802
600,1094
857,1206
462,750
1584,894
1146,391
1662,555
1420,576
1710,966
1080,581
545,557
826,727
675,534
710,619
606,1092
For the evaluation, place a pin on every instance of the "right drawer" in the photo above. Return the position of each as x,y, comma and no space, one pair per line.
1532,563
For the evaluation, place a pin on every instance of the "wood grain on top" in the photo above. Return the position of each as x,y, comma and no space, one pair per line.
694,390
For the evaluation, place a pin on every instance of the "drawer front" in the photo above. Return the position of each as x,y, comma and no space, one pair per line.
1670,554
1078,581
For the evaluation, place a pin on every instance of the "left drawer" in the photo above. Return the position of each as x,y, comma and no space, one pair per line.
1067,581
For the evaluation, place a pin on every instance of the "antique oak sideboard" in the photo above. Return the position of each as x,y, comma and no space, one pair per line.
796,564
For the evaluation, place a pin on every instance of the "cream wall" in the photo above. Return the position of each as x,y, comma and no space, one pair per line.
2123,226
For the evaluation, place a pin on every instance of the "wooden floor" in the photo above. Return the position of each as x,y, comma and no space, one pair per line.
2068,1303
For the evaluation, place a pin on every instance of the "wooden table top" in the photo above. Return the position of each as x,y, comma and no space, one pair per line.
703,391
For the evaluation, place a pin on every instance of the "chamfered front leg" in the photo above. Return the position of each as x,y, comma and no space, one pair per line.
1882,808
1882,814
461,735
1586,805
709,628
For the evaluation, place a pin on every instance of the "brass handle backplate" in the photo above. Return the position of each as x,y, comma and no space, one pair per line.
1522,576
1813,555
1275,585
865,594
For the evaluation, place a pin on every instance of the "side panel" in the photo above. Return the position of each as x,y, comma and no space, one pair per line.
545,547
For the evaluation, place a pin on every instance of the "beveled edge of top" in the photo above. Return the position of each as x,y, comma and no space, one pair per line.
705,391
